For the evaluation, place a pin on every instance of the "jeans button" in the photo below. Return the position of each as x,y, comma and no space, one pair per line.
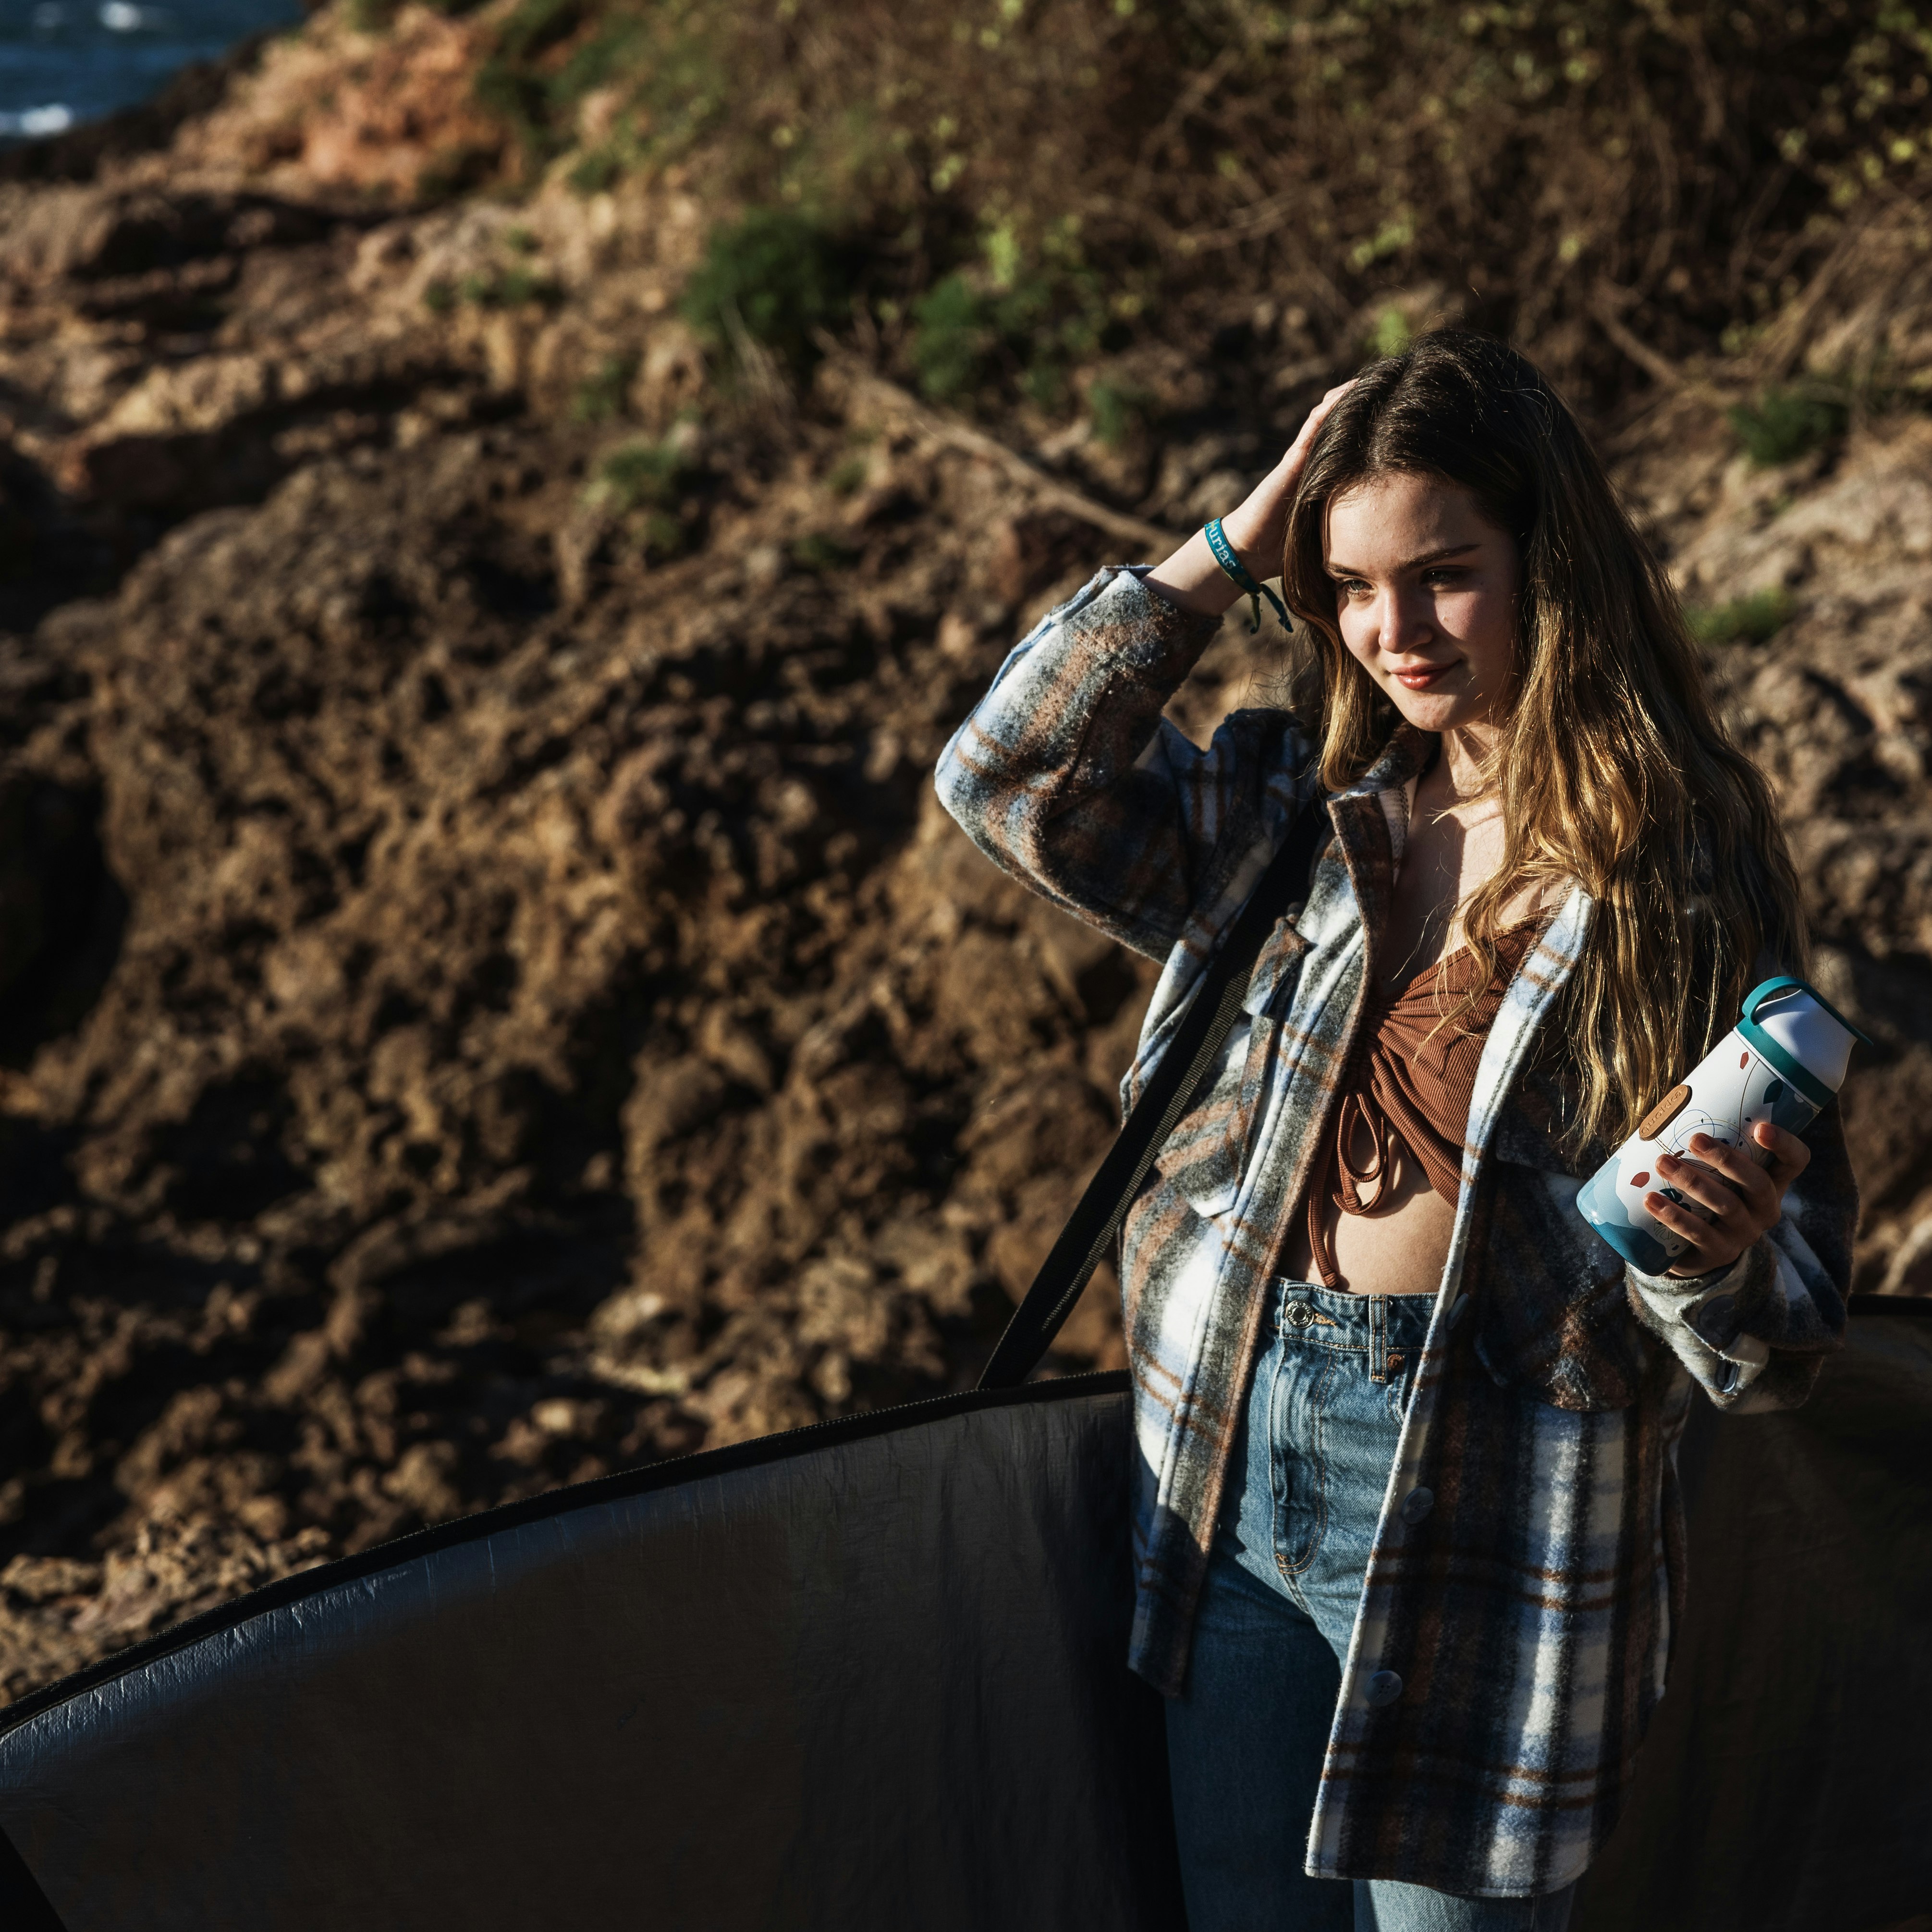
1299,1314
1383,1689
1416,1504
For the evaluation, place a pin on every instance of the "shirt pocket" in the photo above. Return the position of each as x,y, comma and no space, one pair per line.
1207,1154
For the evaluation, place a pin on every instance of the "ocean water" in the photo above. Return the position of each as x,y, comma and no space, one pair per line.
65,62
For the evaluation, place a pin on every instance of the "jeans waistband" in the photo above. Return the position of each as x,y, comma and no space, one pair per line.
1332,1318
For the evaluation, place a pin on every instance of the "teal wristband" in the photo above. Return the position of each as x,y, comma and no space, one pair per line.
1224,555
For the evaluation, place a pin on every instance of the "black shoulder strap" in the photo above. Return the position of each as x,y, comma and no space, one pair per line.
1194,1048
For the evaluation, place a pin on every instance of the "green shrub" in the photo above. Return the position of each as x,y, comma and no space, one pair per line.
595,171
1117,411
648,483
1392,333
456,169
1327,156
953,338
535,26
966,333
601,397
848,475
439,298
816,551
515,95
532,80
611,53
1784,424
1044,385
509,288
1751,619
642,476
663,536
779,274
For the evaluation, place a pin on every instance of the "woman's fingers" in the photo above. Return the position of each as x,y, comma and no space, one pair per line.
1280,486
1258,526
1709,1200
1790,1155
1718,1170
1311,423
1317,415
1708,1245
1726,1199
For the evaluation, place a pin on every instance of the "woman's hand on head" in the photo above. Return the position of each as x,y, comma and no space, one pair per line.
1257,527
1736,1200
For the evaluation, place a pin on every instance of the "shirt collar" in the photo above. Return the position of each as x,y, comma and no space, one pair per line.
1408,752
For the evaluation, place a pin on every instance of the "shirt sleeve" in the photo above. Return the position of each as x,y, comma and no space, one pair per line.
1067,774
1755,1334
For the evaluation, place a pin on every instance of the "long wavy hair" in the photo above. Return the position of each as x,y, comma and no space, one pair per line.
1611,765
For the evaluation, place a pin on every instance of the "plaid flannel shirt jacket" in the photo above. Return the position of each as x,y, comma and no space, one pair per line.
1527,1595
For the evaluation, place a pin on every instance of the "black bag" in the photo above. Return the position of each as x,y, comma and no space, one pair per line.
1786,1784
870,1675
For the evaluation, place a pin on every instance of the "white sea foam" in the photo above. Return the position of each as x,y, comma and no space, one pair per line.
63,63
56,118
123,16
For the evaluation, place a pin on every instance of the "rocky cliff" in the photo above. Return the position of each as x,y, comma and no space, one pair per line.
489,997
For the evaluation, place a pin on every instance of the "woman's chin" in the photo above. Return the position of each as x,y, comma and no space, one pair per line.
1438,710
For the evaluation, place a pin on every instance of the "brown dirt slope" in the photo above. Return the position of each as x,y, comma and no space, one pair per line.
490,997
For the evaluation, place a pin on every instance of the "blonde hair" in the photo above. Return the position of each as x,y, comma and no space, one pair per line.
1611,766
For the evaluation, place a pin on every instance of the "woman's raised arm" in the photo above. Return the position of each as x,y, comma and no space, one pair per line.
1067,774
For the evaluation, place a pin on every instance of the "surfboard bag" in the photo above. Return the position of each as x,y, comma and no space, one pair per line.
870,1675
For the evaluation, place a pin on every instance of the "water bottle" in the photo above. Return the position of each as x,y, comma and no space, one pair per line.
1782,1062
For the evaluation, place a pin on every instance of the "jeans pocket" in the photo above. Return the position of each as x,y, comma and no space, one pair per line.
1299,1479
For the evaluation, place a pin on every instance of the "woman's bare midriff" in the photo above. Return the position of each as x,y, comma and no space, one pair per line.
1399,1249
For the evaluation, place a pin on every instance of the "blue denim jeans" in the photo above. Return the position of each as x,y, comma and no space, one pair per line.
1247,1737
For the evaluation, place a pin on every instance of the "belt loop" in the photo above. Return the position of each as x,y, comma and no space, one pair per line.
1378,1310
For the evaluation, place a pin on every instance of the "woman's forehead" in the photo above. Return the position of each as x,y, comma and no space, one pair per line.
1397,515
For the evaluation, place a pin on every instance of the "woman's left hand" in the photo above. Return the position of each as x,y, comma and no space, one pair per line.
1257,527
1736,1200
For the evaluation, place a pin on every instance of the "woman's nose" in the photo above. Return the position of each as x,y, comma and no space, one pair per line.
1401,622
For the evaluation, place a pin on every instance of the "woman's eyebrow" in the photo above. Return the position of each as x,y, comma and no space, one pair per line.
1414,563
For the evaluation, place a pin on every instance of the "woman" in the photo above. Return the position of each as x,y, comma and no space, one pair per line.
1407,1530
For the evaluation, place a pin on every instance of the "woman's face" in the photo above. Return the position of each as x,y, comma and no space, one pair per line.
1426,595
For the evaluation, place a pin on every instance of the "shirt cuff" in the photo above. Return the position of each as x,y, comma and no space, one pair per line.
1698,1314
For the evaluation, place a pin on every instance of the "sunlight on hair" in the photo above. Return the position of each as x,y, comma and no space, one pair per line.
1612,766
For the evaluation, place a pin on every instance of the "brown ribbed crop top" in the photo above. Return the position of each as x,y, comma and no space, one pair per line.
1408,1090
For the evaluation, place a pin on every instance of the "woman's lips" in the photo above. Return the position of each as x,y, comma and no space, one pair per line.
1422,676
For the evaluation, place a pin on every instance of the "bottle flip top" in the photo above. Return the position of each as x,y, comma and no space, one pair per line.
1783,1062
